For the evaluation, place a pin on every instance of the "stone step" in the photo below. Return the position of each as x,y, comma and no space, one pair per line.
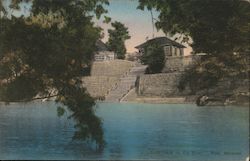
127,82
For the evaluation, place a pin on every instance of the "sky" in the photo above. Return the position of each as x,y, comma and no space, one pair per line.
139,23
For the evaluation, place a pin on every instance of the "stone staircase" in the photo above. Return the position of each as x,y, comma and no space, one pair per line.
126,83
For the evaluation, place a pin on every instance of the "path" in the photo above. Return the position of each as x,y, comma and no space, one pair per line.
126,83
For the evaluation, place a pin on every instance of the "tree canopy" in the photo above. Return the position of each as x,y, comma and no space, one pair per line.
43,55
154,57
220,29
214,26
117,38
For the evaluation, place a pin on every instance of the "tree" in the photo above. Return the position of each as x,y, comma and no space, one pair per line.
154,57
43,55
117,38
214,26
220,29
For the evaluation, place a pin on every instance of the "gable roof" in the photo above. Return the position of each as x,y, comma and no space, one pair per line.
101,46
160,41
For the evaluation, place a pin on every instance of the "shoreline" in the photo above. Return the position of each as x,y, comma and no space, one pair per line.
184,100
175,100
147,100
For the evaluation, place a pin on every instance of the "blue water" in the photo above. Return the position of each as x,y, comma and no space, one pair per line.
132,131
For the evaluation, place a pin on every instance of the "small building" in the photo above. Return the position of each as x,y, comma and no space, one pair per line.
175,61
103,54
171,48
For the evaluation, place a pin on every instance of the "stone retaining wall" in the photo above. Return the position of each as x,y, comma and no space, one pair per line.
161,85
165,85
99,86
174,64
105,75
113,68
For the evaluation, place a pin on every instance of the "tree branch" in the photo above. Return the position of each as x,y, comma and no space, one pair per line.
33,99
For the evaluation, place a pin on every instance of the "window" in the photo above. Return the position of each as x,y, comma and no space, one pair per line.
167,51
175,51
181,51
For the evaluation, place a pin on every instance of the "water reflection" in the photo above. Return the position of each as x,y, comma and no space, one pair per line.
132,131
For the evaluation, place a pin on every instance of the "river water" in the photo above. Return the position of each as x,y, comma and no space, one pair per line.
132,131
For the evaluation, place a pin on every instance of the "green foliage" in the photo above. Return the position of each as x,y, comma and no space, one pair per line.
207,73
218,28
47,51
154,57
214,26
117,38
197,79
60,111
88,125
106,19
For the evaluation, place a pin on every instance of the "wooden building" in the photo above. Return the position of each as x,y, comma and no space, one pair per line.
171,48
103,54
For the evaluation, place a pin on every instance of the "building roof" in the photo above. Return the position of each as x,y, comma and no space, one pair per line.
101,46
160,41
